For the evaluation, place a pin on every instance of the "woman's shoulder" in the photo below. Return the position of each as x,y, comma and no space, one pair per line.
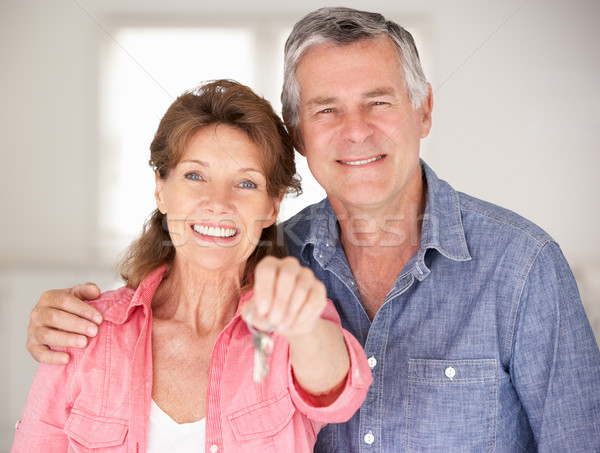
109,300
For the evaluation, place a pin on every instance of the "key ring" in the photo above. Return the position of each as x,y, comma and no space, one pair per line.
251,328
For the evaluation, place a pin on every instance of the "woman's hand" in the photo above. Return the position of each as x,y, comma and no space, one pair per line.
287,297
61,318
290,299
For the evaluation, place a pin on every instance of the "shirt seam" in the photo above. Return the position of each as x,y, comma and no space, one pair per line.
541,238
518,304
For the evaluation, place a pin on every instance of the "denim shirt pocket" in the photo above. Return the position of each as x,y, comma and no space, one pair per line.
88,432
258,424
452,405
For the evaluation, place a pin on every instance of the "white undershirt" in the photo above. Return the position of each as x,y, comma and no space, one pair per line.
166,435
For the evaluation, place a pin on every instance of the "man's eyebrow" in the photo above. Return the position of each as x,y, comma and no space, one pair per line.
377,92
321,100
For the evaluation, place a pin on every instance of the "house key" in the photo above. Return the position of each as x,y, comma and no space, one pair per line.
263,347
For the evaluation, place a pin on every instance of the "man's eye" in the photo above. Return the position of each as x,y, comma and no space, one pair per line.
247,185
330,110
193,176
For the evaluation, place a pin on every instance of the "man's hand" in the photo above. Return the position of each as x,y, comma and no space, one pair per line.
61,318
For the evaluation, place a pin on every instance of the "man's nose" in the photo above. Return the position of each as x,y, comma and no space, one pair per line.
356,127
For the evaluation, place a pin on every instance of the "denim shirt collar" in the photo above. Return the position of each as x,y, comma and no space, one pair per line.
442,227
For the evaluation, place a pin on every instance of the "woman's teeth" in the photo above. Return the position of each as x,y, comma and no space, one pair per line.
215,231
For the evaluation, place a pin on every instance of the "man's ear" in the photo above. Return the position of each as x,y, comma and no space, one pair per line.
295,134
426,109
158,193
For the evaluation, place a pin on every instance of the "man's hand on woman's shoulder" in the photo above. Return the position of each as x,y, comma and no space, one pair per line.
61,318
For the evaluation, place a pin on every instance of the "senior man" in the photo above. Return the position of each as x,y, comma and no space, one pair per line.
469,314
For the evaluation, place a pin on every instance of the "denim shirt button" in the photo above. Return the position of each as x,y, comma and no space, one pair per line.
450,372
372,361
369,438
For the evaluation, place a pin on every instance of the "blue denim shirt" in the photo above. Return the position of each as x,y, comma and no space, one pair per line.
481,345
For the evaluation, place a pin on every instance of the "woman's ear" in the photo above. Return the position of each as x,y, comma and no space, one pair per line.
158,193
276,205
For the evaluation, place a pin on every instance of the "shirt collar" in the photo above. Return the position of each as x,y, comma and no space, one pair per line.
442,228
442,224
120,310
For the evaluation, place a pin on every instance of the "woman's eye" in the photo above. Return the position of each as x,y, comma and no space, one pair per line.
193,176
247,185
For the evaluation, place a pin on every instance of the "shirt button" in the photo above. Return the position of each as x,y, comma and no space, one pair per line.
369,438
214,449
450,372
372,361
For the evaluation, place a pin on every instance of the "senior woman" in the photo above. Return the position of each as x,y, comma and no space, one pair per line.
172,364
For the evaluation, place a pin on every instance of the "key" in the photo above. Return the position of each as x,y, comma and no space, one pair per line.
263,347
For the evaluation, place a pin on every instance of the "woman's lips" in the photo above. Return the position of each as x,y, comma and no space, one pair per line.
216,234
215,231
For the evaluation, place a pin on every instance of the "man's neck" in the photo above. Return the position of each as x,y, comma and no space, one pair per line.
379,243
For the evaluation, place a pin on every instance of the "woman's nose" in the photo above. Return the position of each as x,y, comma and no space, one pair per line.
217,200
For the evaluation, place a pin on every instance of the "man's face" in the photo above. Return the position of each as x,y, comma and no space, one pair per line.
359,131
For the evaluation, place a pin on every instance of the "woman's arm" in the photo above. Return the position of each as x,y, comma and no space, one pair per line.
46,411
291,299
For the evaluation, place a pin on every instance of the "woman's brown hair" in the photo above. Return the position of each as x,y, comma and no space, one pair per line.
217,102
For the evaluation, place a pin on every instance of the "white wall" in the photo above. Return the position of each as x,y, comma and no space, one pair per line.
516,122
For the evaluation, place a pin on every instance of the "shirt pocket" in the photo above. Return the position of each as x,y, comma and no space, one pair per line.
257,425
88,432
452,405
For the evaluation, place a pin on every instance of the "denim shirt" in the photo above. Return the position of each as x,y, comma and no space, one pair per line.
481,345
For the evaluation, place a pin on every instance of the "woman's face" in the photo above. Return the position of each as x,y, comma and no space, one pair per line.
216,199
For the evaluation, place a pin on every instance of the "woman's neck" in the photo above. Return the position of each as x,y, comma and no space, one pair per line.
205,300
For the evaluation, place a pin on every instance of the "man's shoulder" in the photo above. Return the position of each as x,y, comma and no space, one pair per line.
307,215
495,219
300,228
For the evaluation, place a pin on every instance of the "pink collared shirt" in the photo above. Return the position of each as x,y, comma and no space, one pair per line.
101,399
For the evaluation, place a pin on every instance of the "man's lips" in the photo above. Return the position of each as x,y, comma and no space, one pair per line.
215,231
361,162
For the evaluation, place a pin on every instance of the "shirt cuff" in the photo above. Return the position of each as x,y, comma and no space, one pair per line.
355,390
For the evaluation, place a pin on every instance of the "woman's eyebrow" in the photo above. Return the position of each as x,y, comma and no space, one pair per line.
195,161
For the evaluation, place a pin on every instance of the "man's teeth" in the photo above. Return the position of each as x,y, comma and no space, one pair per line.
215,231
362,162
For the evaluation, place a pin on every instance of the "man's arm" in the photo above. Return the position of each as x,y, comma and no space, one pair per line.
555,362
61,318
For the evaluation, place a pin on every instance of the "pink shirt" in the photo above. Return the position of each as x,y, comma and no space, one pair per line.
101,399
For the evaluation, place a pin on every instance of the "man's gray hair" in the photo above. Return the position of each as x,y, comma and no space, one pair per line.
342,26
